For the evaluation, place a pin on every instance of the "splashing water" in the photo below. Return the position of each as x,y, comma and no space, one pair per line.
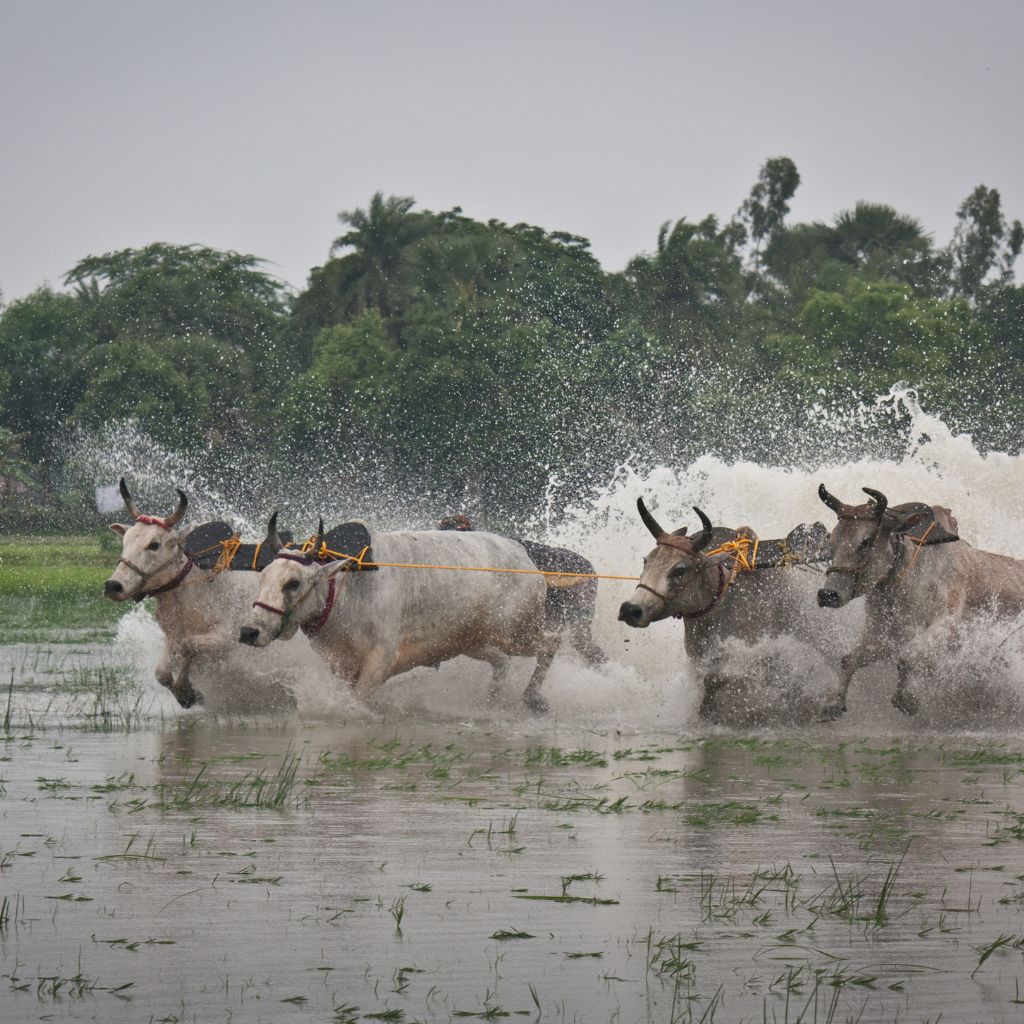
980,684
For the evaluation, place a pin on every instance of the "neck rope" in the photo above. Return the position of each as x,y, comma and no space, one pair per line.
146,576
309,628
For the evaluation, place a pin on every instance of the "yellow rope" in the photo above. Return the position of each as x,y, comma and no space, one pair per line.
228,550
361,563
743,557
920,544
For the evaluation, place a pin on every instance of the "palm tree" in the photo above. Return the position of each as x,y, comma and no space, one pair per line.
381,237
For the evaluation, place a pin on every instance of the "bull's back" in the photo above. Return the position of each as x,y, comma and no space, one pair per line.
988,580
438,609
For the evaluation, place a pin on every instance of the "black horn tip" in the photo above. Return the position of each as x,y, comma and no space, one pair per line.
880,500
272,523
702,539
649,521
830,500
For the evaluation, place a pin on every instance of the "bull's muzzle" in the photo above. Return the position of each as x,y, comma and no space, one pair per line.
838,591
632,614
114,590
248,635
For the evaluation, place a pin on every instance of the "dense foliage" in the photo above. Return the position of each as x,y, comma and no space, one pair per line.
477,360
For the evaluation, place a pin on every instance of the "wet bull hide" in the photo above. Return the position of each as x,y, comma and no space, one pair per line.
370,626
684,577
919,580
198,612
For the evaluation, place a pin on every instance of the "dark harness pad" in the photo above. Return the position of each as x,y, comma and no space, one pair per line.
205,543
350,539
256,557
567,599
938,533
804,544
549,559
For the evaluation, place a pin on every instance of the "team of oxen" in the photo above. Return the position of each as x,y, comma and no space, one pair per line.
375,604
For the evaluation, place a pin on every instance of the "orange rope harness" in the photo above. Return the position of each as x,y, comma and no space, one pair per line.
920,544
361,563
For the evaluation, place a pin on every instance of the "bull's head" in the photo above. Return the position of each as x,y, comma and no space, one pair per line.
678,579
151,550
293,591
864,545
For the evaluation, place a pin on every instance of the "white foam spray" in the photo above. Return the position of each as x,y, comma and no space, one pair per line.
648,684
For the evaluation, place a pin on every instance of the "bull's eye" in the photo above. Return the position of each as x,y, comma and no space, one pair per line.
865,544
292,585
153,545
676,571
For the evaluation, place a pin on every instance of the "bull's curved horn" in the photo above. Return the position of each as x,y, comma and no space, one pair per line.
175,517
880,500
702,539
649,521
829,499
318,540
129,502
273,540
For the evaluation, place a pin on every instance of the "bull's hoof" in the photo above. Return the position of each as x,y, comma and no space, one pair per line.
536,702
905,702
188,697
832,712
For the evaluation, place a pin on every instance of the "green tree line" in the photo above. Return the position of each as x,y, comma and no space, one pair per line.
479,358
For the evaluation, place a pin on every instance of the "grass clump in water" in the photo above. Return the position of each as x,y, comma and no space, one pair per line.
251,790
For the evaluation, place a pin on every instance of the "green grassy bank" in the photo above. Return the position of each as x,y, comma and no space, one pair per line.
51,588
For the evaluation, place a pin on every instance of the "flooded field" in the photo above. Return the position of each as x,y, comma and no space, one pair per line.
440,860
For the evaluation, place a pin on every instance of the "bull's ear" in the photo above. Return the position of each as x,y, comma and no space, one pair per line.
119,529
909,522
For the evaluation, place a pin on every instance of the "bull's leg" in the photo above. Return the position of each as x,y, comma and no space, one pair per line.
372,674
903,700
184,693
546,651
864,654
500,663
164,672
583,640
709,709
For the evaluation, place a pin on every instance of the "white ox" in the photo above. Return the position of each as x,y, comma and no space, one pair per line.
198,612
370,626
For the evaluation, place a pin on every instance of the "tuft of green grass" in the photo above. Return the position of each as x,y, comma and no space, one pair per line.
51,589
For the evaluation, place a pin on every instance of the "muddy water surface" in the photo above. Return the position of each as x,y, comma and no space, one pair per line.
443,860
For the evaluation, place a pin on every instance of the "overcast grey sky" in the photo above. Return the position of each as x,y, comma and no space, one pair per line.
250,125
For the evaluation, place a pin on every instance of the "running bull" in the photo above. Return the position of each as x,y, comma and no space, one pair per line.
698,579
162,561
916,575
370,626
